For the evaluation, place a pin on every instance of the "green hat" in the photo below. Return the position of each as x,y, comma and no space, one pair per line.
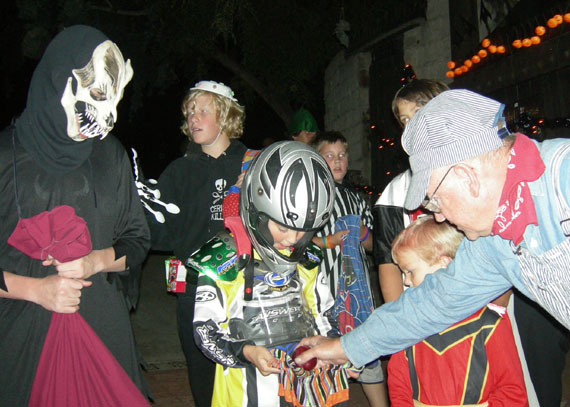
303,120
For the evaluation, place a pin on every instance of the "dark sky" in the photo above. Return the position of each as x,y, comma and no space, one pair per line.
153,128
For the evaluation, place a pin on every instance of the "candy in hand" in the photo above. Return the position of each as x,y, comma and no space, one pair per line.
309,364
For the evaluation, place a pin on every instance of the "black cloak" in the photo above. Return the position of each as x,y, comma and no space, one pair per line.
40,168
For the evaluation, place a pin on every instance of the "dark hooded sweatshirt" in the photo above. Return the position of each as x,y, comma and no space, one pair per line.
94,177
196,183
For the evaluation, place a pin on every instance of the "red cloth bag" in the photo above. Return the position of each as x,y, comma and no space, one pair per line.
75,367
59,233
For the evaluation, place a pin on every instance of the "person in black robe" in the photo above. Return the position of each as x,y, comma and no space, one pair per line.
60,152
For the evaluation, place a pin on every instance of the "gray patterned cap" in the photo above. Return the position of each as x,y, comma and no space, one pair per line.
454,126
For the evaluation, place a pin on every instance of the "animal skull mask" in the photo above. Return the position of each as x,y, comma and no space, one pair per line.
92,110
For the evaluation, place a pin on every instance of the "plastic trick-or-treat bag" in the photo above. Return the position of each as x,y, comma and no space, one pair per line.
75,367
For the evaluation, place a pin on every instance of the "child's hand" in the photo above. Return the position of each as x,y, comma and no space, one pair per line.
239,180
336,238
262,358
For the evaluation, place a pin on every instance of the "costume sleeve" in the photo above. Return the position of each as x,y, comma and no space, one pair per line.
399,387
319,298
160,231
211,330
2,282
505,369
476,276
131,234
366,214
388,222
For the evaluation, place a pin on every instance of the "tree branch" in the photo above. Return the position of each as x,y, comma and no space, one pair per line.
282,109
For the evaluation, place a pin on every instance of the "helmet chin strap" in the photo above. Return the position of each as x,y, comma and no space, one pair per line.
221,127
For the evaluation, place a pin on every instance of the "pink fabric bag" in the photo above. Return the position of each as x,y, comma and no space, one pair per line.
75,367
59,233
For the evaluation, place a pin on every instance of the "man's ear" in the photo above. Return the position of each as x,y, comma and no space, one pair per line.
444,261
469,177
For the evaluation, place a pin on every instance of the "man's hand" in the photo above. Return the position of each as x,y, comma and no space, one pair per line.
59,294
102,260
84,267
262,358
328,351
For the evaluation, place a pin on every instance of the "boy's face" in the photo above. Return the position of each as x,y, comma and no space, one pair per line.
283,238
337,158
406,110
415,269
203,120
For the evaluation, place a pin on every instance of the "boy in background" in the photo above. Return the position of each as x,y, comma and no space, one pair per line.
333,147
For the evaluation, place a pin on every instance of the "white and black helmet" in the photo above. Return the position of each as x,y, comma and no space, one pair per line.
289,183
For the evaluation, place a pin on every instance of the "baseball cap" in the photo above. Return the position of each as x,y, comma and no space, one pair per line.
215,87
454,126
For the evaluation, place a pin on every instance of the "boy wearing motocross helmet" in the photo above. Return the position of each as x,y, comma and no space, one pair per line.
250,313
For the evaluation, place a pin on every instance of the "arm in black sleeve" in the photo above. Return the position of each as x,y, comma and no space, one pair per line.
388,222
131,233
2,282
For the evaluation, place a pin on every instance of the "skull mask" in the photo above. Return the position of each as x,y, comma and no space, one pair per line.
92,110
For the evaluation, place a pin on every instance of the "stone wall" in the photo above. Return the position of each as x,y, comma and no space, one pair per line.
347,82
346,106
428,47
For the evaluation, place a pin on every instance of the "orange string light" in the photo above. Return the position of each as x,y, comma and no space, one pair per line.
488,47
551,23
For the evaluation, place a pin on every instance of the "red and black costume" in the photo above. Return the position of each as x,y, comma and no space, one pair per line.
471,363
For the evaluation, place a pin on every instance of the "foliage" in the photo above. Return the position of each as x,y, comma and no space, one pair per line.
276,49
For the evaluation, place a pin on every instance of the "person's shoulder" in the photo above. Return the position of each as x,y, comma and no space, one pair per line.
109,147
236,149
6,138
395,192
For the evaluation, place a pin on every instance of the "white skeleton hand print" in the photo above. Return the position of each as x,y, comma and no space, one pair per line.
151,195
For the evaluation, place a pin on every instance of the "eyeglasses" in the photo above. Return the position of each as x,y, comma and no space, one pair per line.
429,203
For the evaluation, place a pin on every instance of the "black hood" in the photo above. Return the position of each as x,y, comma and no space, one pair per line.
42,127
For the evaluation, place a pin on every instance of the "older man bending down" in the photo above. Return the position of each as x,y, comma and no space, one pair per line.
507,193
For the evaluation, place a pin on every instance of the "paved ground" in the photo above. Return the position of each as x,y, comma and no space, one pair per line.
154,324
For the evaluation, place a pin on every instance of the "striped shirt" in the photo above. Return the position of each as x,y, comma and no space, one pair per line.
347,202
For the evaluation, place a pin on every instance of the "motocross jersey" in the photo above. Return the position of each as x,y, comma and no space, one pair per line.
282,311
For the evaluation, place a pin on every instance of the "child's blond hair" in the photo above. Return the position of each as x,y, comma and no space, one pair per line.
229,114
428,240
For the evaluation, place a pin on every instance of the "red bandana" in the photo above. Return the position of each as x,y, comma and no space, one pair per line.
516,208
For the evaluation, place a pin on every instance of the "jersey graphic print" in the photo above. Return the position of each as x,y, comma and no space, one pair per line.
217,199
